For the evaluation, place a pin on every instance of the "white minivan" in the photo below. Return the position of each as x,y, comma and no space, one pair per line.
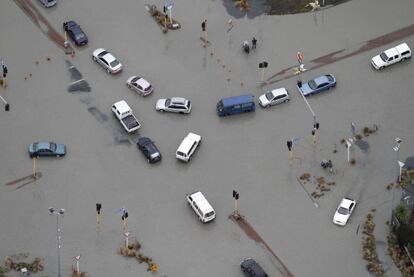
201,207
187,147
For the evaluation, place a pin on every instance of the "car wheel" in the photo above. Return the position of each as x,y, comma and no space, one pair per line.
58,156
162,111
109,71
381,68
94,58
287,100
148,160
181,112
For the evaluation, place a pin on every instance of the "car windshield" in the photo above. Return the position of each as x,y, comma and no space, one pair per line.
330,78
80,36
135,80
53,146
343,211
114,63
312,84
148,88
269,95
103,53
167,102
383,57
154,155
210,214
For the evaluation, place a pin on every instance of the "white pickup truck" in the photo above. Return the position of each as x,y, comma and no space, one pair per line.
124,113
393,55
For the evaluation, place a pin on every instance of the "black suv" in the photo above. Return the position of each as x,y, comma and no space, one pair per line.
149,149
252,269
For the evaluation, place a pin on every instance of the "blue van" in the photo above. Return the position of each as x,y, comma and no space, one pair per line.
235,105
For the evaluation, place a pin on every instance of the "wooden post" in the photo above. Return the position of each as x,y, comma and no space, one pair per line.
34,167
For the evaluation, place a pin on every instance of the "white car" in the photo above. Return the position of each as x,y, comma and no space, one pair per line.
107,60
174,104
274,97
188,147
344,211
140,85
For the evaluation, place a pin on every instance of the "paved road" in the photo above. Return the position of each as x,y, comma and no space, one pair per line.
247,153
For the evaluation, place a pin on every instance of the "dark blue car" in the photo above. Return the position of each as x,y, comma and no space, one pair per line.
317,85
75,33
149,149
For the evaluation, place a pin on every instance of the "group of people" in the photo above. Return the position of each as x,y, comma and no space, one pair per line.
246,45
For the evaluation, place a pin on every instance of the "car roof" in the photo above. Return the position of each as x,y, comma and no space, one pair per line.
236,100
255,267
43,145
122,106
321,79
143,140
391,52
346,202
71,23
178,100
201,201
402,47
279,91
142,82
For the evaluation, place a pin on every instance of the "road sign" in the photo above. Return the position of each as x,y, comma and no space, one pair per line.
169,6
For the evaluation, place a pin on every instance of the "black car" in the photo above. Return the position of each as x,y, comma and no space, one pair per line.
75,32
252,269
149,149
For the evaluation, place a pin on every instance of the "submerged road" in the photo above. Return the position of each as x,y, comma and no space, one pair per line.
344,53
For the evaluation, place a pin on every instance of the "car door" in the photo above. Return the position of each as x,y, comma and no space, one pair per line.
277,99
322,86
103,62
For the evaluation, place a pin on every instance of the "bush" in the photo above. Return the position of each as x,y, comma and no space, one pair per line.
402,213
405,234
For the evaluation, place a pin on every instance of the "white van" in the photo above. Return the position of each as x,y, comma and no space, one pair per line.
187,147
201,207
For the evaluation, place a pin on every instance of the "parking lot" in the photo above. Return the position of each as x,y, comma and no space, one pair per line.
245,152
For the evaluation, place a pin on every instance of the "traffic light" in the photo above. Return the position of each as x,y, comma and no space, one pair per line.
263,65
235,195
98,208
7,107
124,215
316,125
289,144
5,71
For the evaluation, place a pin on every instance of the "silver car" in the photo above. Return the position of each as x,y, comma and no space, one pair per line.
107,60
274,97
140,85
174,104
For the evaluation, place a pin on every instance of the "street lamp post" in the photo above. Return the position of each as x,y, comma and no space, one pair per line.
59,213
396,148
